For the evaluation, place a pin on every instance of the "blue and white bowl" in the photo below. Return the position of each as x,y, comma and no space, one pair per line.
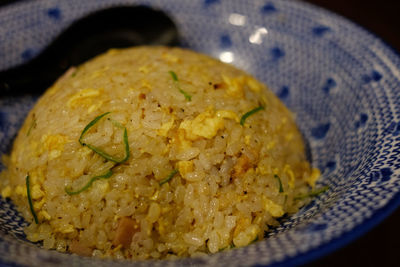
342,82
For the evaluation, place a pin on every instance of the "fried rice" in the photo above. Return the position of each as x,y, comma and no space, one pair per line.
155,152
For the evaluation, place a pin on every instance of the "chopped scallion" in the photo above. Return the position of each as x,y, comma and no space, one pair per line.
175,78
222,249
255,240
100,151
89,184
173,75
230,246
28,192
169,177
74,73
186,95
280,183
90,125
248,114
314,193
33,125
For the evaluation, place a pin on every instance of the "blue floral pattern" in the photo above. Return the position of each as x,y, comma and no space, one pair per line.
340,81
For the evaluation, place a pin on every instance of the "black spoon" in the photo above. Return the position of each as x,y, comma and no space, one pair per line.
115,27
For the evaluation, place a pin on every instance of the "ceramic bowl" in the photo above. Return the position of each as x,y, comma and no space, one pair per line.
340,81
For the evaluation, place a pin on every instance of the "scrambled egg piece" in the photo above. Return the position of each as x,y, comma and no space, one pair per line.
253,84
312,179
236,85
98,73
247,139
21,190
85,98
227,114
54,144
144,69
165,209
242,224
165,127
146,84
155,195
6,192
36,192
206,124
247,236
161,228
66,229
262,169
289,136
274,209
39,204
271,145
185,167
44,214
112,51
117,248
180,140
170,58
289,172
52,90
37,175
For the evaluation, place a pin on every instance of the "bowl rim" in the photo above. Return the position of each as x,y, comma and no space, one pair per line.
378,216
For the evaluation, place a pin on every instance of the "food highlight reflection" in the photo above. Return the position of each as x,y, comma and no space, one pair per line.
257,36
237,19
226,56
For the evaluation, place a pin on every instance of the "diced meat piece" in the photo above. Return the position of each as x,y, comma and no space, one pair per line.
80,248
68,73
127,227
242,165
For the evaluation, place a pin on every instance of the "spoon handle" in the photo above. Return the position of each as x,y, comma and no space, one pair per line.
28,78
116,27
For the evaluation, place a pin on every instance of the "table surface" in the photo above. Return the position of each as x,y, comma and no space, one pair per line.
378,247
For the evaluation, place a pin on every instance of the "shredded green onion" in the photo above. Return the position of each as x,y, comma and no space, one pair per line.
280,183
105,155
98,150
231,245
173,75
28,192
74,73
314,193
107,175
255,240
169,177
186,95
90,125
248,114
175,78
33,125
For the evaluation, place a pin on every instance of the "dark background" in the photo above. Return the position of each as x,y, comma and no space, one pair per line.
381,245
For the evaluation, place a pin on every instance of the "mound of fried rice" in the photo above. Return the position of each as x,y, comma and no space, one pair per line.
212,158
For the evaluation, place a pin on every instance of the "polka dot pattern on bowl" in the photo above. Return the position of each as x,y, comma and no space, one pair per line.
340,81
